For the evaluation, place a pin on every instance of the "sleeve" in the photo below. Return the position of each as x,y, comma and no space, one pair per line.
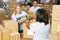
13,17
25,14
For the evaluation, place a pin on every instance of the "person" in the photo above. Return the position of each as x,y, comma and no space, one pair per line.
19,16
41,27
35,7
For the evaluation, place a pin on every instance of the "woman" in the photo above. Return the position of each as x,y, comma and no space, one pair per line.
41,27
19,16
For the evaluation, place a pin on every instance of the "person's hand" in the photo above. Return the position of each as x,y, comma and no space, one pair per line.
27,24
21,20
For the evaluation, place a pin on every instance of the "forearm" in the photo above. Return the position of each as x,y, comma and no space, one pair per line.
21,20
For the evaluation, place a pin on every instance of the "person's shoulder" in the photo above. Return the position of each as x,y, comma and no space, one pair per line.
23,12
39,7
35,23
31,7
13,13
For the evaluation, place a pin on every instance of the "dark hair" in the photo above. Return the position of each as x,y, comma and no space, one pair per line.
42,16
35,1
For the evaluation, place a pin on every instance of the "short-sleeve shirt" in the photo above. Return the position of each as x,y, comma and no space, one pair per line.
15,17
40,30
34,9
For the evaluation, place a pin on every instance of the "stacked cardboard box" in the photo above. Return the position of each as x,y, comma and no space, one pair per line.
12,4
5,34
3,16
15,36
11,25
0,35
55,29
1,32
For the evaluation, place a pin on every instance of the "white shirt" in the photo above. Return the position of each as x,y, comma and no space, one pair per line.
34,9
40,30
15,17
5,0
20,0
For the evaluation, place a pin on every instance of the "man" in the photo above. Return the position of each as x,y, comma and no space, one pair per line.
35,7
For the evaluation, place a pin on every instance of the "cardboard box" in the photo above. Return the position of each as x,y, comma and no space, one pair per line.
1,26
0,35
53,37
55,29
15,36
25,31
12,4
56,12
5,34
11,25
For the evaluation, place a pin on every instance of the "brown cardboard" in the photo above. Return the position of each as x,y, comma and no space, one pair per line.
11,25
25,32
0,35
15,36
12,4
5,34
56,12
54,37
55,29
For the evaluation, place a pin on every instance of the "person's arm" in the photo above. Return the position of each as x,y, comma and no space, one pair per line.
27,24
21,20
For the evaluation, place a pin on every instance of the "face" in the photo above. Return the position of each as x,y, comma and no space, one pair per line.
35,4
18,9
